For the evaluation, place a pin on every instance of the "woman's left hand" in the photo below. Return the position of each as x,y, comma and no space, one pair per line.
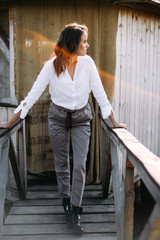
120,125
115,123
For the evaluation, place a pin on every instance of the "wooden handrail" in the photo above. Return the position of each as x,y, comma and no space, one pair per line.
8,105
123,148
5,131
18,162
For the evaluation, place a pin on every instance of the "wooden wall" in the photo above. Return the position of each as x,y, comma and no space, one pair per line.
38,24
137,85
4,57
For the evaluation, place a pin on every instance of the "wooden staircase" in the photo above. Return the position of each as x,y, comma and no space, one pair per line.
41,216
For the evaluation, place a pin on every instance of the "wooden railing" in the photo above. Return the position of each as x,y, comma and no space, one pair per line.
17,159
121,154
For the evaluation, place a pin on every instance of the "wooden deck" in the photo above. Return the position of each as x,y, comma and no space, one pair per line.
41,216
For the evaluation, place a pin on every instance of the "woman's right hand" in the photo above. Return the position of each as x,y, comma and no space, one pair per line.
4,125
11,121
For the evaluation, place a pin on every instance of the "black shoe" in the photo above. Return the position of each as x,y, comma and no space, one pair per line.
75,220
67,210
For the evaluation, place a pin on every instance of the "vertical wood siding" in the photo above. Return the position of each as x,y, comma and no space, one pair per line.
137,78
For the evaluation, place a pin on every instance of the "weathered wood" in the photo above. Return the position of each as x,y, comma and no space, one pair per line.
116,188
134,154
152,228
22,154
106,163
104,236
3,179
13,159
128,192
4,49
141,154
58,218
12,51
54,194
7,133
58,228
57,202
59,209
53,187
36,217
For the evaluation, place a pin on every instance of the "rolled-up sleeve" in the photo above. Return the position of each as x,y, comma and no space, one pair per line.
37,89
99,92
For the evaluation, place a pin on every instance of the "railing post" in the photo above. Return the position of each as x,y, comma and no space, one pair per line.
116,190
21,141
106,162
128,199
123,193
15,167
3,180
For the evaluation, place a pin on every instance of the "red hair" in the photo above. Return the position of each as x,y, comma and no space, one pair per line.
67,45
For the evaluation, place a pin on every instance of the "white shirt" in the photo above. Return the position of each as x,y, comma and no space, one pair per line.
68,93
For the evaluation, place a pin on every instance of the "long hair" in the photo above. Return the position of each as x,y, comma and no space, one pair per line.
67,45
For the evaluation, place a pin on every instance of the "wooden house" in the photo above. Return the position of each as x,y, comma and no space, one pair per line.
124,43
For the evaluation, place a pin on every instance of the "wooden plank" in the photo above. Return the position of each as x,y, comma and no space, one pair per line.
116,188
22,154
58,218
4,49
128,66
42,188
152,227
12,52
53,187
106,163
54,194
13,159
3,179
59,209
57,202
147,179
28,220
140,154
103,236
58,228
128,193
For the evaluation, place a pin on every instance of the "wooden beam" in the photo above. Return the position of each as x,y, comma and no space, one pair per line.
116,189
12,47
128,202
106,163
4,49
152,227
14,163
3,180
22,154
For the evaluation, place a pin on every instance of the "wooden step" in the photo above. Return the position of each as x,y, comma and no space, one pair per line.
41,216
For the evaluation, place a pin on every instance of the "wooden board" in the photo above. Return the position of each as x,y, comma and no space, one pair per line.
58,209
57,202
103,236
55,194
40,218
58,218
55,228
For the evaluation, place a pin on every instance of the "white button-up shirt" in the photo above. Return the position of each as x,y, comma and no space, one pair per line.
68,93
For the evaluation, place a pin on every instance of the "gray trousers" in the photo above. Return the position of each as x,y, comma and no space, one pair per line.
80,135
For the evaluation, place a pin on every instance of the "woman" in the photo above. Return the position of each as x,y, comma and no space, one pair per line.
71,76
